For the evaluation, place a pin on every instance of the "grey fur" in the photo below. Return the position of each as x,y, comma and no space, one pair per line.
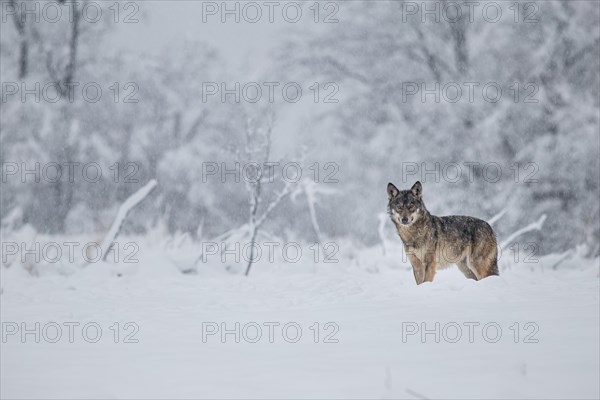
432,242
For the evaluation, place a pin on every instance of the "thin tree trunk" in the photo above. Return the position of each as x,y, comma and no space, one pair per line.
70,69
24,46
252,241
23,58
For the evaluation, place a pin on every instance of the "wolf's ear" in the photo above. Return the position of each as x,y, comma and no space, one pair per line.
392,191
417,189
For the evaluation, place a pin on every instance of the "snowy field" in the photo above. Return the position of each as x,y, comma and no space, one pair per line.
533,332
181,129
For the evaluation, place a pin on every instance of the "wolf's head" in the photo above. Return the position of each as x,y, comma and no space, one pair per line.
405,206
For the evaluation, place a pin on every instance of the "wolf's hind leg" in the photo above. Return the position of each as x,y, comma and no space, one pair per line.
464,268
484,261
487,267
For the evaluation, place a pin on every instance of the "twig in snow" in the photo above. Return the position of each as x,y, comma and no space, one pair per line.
383,218
567,254
415,394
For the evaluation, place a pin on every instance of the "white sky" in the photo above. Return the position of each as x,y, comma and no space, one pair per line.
244,45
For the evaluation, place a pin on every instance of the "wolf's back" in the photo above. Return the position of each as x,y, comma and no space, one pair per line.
465,229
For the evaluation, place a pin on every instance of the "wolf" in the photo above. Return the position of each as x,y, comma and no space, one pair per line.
432,242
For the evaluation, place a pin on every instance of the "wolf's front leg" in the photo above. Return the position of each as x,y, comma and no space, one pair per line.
429,272
418,268
430,266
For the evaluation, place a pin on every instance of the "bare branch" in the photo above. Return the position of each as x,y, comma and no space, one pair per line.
534,226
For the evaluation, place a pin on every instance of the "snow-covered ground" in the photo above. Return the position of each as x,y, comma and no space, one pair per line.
533,332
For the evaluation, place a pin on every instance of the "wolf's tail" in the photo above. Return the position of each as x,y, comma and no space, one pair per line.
493,269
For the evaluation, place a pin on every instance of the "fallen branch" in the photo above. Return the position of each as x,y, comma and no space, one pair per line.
535,226
566,255
124,210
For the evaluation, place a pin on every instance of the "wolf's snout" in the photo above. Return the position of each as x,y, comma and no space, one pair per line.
404,220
